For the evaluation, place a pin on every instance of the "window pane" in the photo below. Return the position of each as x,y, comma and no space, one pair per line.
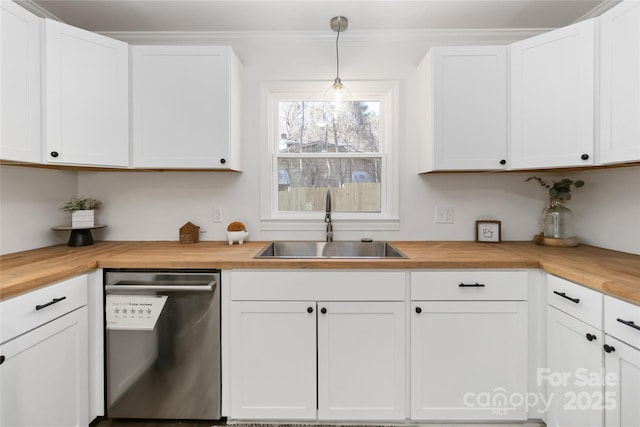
312,127
354,182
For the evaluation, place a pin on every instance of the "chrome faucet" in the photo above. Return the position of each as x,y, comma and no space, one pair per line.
327,217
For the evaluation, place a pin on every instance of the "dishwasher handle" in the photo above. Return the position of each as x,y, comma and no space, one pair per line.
151,287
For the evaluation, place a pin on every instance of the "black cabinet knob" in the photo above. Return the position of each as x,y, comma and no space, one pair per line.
323,310
309,309
609,348
418,310
2,359
223,161
54,154
585,157
591,337
503,162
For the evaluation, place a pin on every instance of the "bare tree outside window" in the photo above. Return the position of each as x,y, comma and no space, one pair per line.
320,147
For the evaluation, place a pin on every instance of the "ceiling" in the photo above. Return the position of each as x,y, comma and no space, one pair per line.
314,15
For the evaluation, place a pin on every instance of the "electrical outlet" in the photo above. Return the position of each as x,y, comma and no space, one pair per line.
444,214
217,214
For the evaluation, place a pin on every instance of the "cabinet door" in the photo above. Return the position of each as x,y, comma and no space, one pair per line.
469,100
87,98
273,360
623,384
44,377
361,366
620,83
20,138
552,98
182,96
468,360
574,352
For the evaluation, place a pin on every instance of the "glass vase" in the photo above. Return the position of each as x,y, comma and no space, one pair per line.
559,222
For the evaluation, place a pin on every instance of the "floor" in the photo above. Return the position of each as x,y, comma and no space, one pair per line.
143,423
132,423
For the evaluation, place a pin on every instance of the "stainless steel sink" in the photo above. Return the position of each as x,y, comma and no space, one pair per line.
341,249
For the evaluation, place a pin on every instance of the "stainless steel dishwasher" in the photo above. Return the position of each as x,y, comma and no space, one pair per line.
162,344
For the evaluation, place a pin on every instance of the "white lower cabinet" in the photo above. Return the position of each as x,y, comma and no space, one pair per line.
361,361
338,354
44,371
359,366
622,362
273,353
468,360
468,345
574,354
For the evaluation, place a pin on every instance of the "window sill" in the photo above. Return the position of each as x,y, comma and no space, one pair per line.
386,224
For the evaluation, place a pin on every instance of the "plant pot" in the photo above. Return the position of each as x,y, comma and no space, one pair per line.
236,236
83,218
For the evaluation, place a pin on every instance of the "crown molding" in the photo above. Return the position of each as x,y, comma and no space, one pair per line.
36,9
598,10
477,36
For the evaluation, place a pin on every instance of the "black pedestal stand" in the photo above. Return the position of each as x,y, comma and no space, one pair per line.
80,236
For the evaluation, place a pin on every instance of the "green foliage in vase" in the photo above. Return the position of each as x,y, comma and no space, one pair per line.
559,191
81,203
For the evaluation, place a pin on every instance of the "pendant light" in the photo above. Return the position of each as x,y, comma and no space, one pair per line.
337,93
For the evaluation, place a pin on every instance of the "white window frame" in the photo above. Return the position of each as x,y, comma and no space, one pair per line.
388,219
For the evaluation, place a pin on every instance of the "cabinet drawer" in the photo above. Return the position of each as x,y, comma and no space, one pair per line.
291,285
622,320
21,314
576,300
475,285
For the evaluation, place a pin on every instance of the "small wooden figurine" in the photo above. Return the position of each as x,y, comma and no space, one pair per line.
189,233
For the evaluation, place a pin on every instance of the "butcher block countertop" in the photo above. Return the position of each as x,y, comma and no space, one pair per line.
613,273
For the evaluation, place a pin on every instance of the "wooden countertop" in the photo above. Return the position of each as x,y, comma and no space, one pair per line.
610,272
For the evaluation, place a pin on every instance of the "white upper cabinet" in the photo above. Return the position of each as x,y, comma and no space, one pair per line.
465,116
87,98
186,107
21,138
552,98
620,83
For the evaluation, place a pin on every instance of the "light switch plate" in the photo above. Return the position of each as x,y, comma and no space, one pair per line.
444,214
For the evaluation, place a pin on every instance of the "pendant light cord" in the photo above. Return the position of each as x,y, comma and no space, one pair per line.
338,54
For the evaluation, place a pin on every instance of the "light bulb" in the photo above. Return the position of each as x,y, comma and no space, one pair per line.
337,95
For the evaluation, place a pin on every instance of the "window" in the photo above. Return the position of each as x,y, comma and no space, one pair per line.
314,146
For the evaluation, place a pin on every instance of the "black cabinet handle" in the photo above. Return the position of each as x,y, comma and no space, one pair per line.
585,157
503,162
418,310
223,161
54,154
309,310
563,295
609,348
53,301
591,337
471,285
629,323
2,359
323,310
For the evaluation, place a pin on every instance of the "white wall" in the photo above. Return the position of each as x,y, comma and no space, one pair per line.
607,208
30,201
153,205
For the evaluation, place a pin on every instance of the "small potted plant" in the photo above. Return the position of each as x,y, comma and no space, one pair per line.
557,219
82,211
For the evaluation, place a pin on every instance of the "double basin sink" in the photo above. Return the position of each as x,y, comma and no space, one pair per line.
341,249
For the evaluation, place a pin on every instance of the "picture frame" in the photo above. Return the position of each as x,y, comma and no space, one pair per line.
488,230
